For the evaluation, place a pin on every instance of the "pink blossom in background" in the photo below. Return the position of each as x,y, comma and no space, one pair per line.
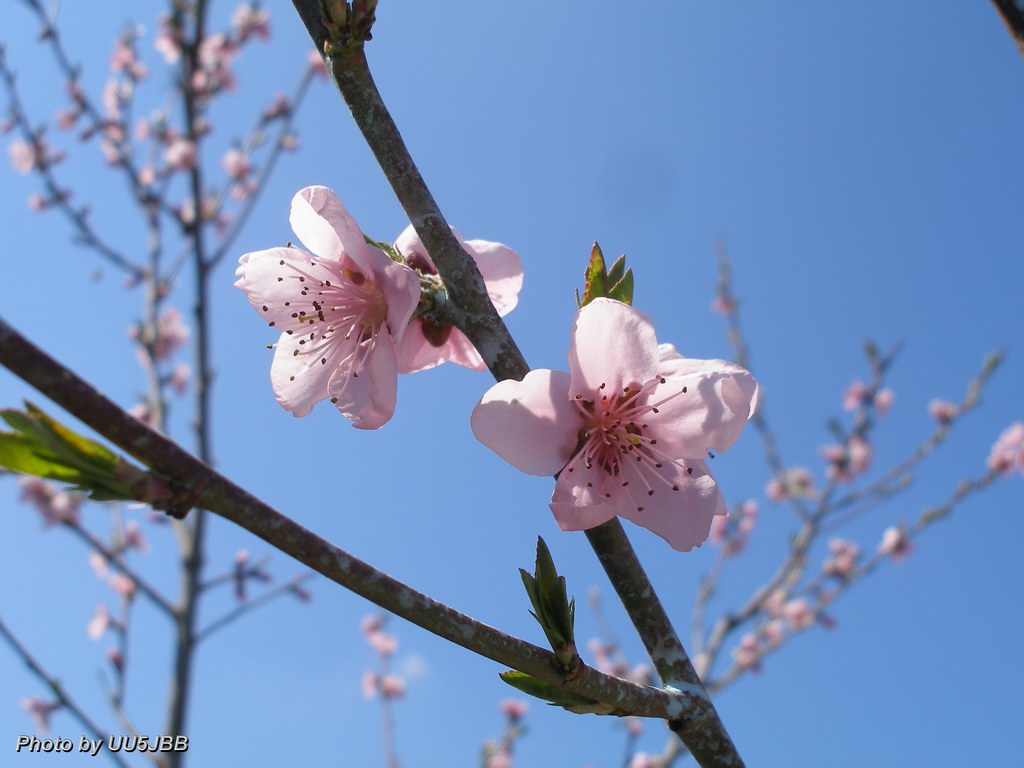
39,710
843,559
99,564
643,760
124,59
942,411
250,21
342,312
1008,451
746,653
895,544
144,413
772,604
391,686
168,39
723,305
854,395
426,344
180,375
123,585
794,482
514,709
732,530
116,658
883,401
371,624
627,430
37,202
369,684
845,462
316,62
279,107
180,155
54,504
500,759
236,164
134,538
99,623
383,643
26,155
798,614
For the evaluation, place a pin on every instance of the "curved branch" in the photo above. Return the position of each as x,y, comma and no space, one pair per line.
221,496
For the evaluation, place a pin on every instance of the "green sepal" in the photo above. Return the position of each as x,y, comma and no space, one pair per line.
555,695
623,289
552,608
389,249
601,282
595,277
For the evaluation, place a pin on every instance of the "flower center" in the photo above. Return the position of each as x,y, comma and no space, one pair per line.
616,446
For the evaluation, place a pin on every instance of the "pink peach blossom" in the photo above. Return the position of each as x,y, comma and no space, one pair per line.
54,504
895,544
315,61
168,40
943,411
427,344
116,658
40,710
746,653
643,760
514,709
723,305
843,559
134,538
123,585
883,401
100,622
1008,451
627,430
249,20
854,395
798,614
794,482
343,312
383,643
180,155
391,686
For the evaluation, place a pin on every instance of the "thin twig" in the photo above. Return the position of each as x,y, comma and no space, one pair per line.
244,608
58,691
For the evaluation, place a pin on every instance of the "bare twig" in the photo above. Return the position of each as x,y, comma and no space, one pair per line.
244,608
58,691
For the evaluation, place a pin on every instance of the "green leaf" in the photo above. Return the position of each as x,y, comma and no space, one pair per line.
20,454
551,606
554,694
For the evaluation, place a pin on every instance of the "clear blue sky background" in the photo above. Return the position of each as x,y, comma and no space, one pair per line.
863,163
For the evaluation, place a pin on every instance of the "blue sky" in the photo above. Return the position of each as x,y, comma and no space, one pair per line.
862,163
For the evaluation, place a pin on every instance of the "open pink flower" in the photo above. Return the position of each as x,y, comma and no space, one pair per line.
427,344
342,312
628,428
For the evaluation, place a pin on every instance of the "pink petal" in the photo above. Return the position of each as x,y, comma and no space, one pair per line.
367,394
612,345
258,274
401,288
710,414
502,271
300,380
416,353
321,221
529,423
577,507
409,244
683,518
